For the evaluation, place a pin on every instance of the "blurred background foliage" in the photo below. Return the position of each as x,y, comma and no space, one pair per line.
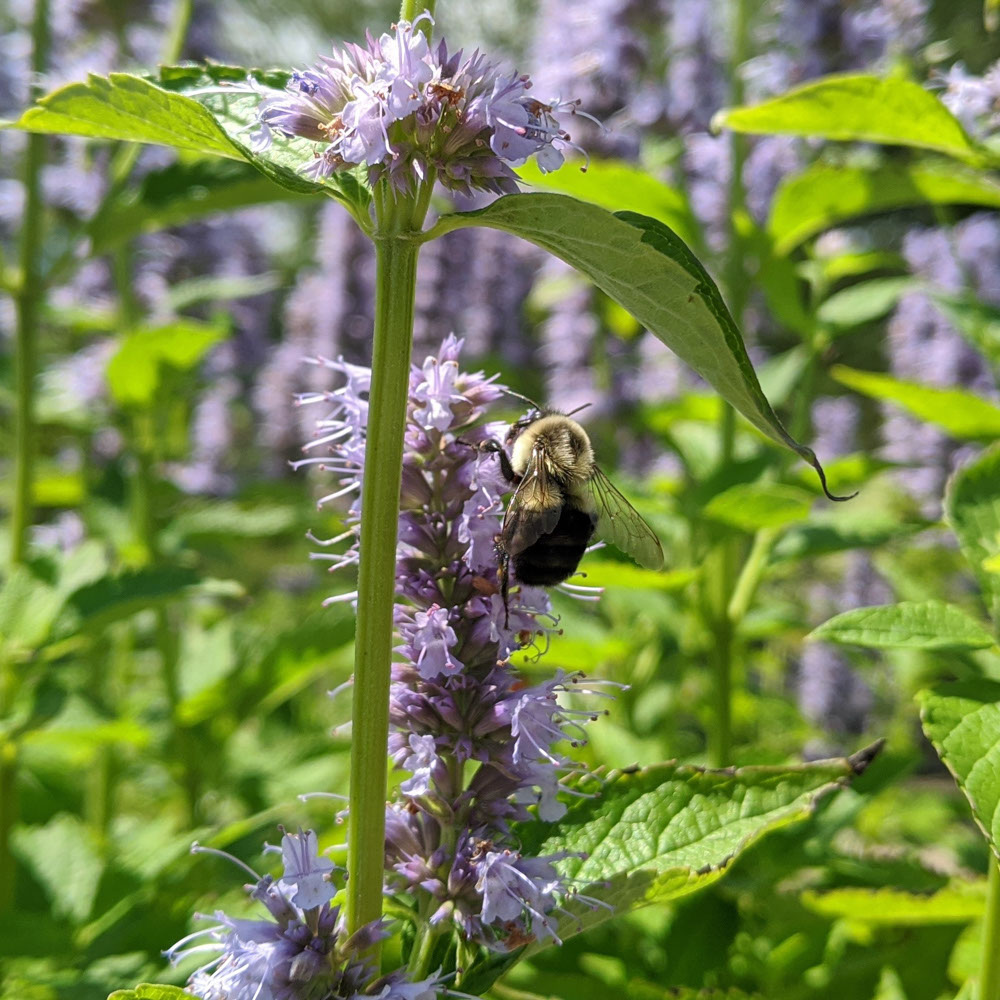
164,648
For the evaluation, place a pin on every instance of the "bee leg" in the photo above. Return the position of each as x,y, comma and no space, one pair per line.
494,447
504,573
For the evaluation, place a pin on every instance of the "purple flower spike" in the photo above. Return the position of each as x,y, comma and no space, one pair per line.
455,699
401,109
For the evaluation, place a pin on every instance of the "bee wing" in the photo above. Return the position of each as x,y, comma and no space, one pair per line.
621,524
534,508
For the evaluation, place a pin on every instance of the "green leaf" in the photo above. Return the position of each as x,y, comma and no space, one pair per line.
962,720
71,883
751,506
115,597
864,302
908,625
134,369
825,195
860,108
977,321
960,413
619,187
152,991
655,834
959,903
204,110
972,508
179,193
130,108
648,270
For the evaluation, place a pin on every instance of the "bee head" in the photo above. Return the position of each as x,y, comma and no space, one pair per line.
526,421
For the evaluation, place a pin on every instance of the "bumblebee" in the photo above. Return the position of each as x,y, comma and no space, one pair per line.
561,499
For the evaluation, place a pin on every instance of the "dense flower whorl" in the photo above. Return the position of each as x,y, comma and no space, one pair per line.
476,740
303,952
408,110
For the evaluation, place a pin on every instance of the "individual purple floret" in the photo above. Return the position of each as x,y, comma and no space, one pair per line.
476,740
303,951
409,111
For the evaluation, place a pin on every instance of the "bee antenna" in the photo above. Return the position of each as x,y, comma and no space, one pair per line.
577,410
525,399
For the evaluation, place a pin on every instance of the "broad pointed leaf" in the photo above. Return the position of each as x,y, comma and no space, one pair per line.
207,110
648,270
972,507
960,413
826,195
663,832
908,625
863,302
962,720
861,108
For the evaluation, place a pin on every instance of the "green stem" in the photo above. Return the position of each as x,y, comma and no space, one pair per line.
419,966
751,575
718,572
28,300
989,969
410,10
395,283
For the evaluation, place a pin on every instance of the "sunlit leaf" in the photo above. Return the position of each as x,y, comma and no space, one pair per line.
665,831
206,110
960,413
972,508
152,991
619,187
858,107
134,370
72,883
649,270
825,195
908,625
751,506
962,720
959,903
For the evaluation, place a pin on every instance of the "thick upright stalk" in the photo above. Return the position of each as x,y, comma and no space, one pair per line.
989,968
28,301
396,274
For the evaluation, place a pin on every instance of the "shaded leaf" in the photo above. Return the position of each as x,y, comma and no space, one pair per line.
751,506
648,270
978,322
662,832
178,194
962,720
864,302
972,508
825,195
908,625
862,108
115,597
962,414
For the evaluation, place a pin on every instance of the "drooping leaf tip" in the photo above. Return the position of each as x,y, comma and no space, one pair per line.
811,458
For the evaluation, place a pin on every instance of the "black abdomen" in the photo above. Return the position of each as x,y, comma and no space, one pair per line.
556,555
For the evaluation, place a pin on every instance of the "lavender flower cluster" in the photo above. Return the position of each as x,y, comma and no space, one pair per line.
477,742
410,112
304,950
